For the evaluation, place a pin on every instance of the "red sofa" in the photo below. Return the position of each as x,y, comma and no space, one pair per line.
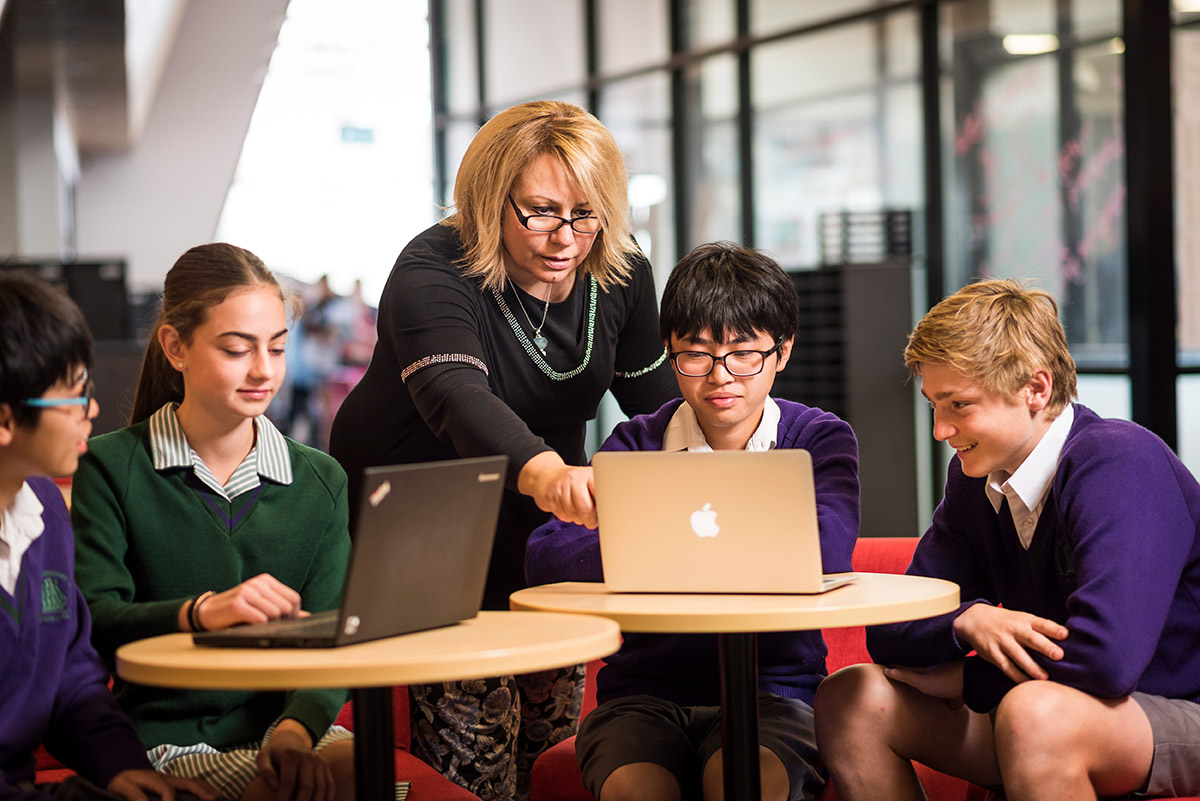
556,773
426,783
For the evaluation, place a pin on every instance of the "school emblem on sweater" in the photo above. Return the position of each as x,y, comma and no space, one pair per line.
54,597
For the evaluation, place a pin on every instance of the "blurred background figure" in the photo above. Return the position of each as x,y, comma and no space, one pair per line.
353,319
329,347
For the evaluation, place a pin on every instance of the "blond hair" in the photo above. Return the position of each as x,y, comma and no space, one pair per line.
997,334
500,153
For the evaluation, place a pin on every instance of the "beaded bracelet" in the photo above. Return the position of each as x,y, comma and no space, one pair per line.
194,610
187,615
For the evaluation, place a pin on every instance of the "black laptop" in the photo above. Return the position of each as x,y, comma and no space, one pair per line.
422,544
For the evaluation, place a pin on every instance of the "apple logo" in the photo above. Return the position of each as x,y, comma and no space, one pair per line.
704,522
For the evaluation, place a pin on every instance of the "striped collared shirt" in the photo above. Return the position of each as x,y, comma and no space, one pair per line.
268,458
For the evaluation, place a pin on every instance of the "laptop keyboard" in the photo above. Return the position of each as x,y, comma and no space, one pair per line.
325,621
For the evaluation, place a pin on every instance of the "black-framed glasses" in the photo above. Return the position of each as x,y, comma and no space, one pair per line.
548,223
84,398
740,363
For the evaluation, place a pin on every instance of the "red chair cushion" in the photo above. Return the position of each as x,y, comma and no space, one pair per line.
556,775
400,730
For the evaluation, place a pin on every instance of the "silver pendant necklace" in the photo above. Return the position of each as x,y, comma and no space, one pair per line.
538,339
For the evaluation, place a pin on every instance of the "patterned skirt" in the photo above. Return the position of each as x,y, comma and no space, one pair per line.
484,734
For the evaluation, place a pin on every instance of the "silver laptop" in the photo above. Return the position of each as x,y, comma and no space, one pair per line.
729,521
422,544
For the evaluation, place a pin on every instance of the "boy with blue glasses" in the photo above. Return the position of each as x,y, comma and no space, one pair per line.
54,688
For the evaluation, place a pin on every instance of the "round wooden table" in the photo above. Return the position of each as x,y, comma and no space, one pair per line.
872,599
492,644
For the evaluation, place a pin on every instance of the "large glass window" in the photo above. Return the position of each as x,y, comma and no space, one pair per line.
1038,189
530,54
844,138
638,112
1189,423
709,22
461,67
1186,68
632,34
716,200
1186,52
1032,139
458,136
771,16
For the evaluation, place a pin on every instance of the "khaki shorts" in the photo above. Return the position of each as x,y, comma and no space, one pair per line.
1175,770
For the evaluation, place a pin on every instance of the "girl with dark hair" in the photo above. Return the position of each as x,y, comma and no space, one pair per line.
201,515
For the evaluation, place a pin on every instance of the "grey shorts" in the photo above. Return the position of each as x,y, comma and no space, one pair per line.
681,739
1175,770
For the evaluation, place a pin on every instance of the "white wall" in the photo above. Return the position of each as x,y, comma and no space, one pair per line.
38,177
166,194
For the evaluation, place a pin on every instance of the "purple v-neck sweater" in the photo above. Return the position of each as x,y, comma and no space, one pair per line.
1115,558
53,686
683,668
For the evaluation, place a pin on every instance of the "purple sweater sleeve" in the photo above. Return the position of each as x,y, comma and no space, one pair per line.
834,450
88,731
559,551
1118,567
1128,549
945,551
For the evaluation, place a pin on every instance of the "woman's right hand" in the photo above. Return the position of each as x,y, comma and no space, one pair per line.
567,492
255,600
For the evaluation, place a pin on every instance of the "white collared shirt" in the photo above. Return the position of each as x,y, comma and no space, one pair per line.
684,433
1028,488
268,458
20,524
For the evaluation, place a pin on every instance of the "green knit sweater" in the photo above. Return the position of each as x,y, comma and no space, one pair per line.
146,542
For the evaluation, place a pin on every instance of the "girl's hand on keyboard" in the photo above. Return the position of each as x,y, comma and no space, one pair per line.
255,600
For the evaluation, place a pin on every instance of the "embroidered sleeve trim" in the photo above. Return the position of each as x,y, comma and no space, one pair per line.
442,358
639,373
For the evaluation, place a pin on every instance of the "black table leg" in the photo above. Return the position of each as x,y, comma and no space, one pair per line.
374,744
739,716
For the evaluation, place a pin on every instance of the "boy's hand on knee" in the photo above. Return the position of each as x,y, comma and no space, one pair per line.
939,681
255,600
292,769
1006,637
133,785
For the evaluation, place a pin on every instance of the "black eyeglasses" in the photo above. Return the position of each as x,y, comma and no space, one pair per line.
84,398
548,223
740,363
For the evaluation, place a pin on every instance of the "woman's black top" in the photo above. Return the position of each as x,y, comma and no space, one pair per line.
455,373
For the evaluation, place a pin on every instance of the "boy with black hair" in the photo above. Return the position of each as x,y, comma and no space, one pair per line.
728,317
1075,541
53,686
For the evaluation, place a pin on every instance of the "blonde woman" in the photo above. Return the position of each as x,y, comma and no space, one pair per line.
500,329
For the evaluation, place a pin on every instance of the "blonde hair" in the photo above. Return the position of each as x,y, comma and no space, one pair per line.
500,153
997,334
